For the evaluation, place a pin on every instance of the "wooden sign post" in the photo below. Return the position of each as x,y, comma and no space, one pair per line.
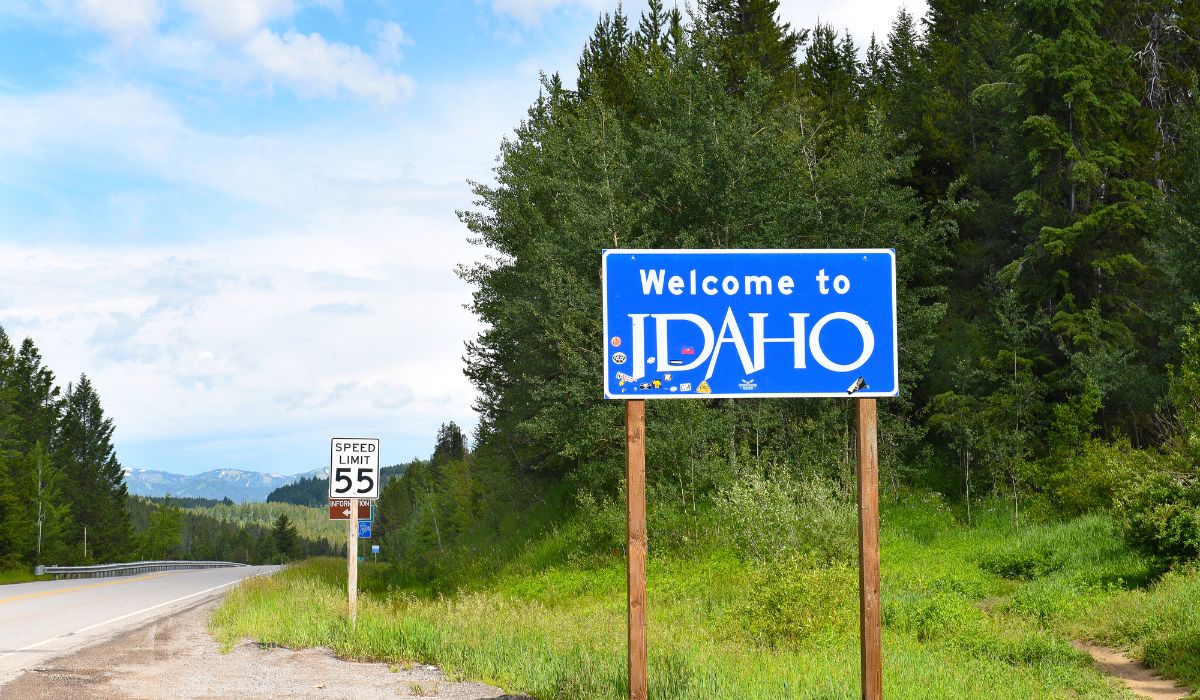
635,462
871,662
352,561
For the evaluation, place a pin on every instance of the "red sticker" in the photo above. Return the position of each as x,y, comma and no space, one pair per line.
616,342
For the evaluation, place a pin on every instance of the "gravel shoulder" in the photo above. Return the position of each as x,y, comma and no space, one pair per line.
175,657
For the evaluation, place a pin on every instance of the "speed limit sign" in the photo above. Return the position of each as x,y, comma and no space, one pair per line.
354,468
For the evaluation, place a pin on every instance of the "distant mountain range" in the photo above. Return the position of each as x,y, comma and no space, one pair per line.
236,484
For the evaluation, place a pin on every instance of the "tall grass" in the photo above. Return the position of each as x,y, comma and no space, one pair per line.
726,626
1160,624
23,575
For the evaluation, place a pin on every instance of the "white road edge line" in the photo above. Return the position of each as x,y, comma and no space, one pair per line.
81,630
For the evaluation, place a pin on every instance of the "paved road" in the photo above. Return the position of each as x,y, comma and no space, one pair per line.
46,619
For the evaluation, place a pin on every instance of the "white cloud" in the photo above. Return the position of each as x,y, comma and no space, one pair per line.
530,12
217,338
389,37
117,17
234,19
860,17
337,310
313,67
51,121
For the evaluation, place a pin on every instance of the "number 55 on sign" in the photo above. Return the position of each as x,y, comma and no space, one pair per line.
354,468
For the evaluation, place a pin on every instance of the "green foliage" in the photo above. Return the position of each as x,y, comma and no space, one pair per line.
771,518
58,470
796,599
669,156
539,624
1159,513
311,522
85,451
163,536
242,533
1159,624
1017,561
1095,479
284,534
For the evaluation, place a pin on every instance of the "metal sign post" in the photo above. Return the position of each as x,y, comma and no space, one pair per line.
704,324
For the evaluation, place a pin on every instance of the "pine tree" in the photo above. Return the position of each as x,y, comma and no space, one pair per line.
35,399
30,417
284,533
163,537
751,38
602,65
1088,206
11,513
95,480
451,445
832,76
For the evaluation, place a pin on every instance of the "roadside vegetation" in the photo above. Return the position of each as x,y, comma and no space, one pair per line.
18,576
968,612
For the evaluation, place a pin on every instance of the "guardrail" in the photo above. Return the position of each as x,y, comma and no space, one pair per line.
137,567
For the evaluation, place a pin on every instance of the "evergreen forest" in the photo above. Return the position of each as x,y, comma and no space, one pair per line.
1035,164
62,487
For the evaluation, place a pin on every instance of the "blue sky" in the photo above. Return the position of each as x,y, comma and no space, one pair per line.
237,216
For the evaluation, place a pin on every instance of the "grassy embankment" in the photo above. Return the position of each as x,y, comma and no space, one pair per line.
19,576
972,612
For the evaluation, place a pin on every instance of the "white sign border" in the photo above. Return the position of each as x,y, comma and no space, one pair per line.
378,469
864,393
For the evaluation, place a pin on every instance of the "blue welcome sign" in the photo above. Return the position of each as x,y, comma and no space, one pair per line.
749,323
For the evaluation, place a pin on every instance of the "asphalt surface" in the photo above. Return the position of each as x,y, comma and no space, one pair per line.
46,619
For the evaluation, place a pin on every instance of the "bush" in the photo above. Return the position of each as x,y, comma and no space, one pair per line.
1020,561
1159,514
929,615
773,518
1093,479
793,599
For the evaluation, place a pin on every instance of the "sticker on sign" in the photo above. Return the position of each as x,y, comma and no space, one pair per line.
354,468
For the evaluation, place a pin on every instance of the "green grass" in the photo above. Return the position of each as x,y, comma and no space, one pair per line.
1160,625
23,575
968,612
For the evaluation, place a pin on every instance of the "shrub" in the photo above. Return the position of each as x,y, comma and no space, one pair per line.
1160,515
1018,560
794,598
929,614
1093,479
772,518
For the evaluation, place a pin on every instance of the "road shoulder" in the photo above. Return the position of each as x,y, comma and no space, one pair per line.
176,657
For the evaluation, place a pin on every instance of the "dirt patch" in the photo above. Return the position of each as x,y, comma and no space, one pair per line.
1135,675
175,657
